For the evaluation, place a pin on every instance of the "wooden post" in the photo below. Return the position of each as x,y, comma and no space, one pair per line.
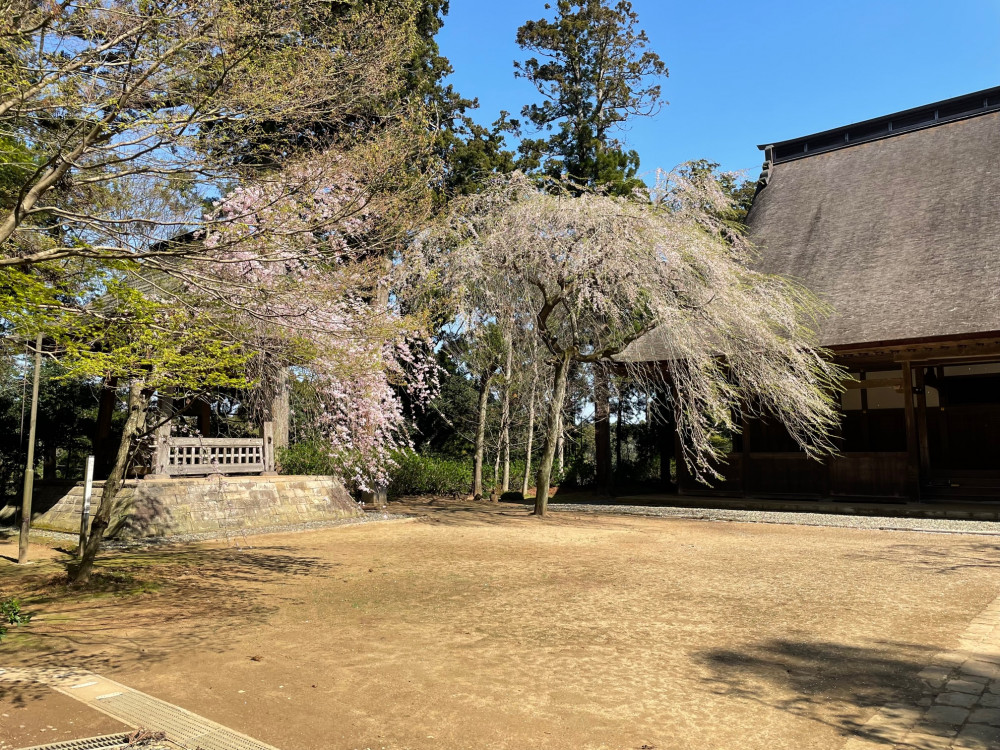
280,409
925,450
88,487
204,411
161,452
267,433
912,440
29,471
663,414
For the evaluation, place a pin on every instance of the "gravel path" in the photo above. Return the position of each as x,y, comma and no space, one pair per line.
883,523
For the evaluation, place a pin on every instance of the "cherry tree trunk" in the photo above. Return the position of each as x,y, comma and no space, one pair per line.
531,438
505,416
138,403
553,430
602,430
477,467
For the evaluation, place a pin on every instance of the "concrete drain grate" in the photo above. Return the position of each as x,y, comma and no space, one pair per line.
108,742
182,727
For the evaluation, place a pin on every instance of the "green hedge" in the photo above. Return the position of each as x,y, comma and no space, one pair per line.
414,474
308,458
417,474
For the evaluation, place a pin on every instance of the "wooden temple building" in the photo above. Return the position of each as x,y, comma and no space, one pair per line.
895,222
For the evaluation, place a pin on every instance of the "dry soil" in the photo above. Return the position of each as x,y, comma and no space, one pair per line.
484,627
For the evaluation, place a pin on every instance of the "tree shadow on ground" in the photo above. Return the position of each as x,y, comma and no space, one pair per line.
18,694
955,558
143,605
829,683
455,512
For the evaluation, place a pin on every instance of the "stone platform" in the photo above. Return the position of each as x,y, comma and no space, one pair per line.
194,505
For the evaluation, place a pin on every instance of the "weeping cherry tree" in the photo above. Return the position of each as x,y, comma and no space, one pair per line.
602,277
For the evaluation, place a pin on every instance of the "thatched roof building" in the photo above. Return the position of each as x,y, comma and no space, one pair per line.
895,222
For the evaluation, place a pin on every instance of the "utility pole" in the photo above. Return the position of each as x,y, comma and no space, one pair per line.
29,471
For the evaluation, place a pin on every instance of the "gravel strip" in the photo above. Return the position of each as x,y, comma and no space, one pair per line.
232,535
881,523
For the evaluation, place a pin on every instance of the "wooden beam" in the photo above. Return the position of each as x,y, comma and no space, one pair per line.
873,383
978,351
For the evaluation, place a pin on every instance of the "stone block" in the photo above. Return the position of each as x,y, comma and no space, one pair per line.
945,715
965,686
977,737
989,716
965,700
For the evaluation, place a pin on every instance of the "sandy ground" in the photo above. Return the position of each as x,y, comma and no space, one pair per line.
480,626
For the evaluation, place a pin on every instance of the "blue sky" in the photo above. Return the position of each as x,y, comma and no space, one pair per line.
744,73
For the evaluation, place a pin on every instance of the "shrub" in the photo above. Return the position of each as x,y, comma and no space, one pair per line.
309,457
418,474
11,614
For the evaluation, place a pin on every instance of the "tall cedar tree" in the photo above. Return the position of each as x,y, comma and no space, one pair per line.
594,70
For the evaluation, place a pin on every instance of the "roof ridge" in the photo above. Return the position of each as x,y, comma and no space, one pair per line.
886,126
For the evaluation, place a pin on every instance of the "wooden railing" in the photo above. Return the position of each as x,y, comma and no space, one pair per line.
196,456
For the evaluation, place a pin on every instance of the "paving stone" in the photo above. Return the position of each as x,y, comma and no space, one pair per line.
920,741
989,716
938,730
965,686
977,737
945,715
989,700
965,700
978,668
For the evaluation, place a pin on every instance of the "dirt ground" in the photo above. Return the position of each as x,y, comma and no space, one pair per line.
481,626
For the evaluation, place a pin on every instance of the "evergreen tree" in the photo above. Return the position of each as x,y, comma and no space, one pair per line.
594,70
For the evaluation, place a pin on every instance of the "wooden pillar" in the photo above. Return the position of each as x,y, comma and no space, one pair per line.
204,412
667,436
280,409
924,440
105,414
161,451
745,461
683,478
267,433
912,439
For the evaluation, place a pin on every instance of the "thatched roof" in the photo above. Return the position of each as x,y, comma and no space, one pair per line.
900,234
894,222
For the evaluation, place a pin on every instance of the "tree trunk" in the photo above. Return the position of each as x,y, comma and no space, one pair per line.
531,437
561,445
602,430
505,416
138,402
553,430
477,470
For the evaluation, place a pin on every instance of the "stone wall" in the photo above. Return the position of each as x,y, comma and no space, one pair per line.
165,507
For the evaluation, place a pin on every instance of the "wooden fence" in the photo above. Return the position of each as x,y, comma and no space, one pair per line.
196,456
